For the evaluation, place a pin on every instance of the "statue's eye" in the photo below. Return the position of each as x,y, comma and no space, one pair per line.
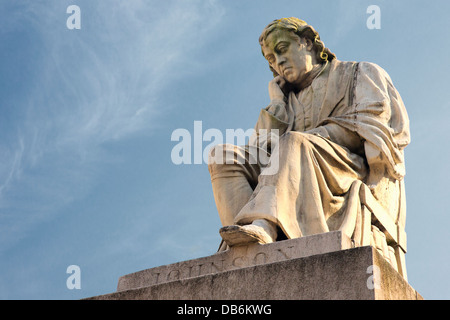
282,48
271,59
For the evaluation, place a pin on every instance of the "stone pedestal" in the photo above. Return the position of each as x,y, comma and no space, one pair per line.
323,266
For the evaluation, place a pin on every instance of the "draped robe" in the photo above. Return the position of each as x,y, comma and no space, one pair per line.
348,127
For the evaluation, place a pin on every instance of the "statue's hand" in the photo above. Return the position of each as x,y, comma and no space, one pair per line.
275,88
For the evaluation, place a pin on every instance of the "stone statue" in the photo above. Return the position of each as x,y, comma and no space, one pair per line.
342,128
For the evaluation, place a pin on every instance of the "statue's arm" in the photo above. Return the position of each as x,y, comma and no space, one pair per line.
272,121
340,135
377,119
369,97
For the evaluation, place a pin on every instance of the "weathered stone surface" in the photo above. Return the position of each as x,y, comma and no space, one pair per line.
344,274
319,151
237,257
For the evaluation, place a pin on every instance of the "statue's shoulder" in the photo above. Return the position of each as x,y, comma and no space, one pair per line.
343,67
361,65
373,69
368,69
341,72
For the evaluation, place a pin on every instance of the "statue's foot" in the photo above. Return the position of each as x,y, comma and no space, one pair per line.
242,235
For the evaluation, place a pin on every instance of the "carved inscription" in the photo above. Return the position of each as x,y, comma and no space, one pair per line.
217,264
260,258
237,257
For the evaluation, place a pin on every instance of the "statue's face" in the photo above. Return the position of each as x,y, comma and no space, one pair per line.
290,56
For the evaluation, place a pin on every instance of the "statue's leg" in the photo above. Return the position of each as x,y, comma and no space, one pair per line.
311,183
230,195
234,174
233,179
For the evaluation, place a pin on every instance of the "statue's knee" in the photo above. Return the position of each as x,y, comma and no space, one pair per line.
294,137
214,153
219,154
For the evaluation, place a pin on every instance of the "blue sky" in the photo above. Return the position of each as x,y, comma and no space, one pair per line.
86,176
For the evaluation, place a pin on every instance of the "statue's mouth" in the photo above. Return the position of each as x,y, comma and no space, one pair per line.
286,69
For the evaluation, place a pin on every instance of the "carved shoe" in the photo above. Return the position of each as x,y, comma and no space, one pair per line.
242,235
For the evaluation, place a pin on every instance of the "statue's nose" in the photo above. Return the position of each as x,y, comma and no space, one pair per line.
281,60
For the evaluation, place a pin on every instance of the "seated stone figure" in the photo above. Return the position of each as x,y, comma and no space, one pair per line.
341,126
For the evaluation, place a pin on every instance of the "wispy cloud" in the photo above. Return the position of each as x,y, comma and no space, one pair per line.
98,84
350,14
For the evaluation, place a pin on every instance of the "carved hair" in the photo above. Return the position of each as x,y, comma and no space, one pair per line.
303,30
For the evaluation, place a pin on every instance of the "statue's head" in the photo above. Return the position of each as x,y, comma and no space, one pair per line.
303,32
